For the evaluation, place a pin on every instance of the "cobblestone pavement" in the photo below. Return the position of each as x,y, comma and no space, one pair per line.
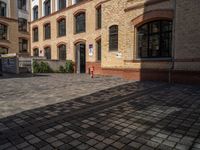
136,115
19,94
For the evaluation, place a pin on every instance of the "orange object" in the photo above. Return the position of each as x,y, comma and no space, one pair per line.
92,72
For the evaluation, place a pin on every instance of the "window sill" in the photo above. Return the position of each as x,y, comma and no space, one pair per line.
4,41
98,29
24,32
79,32
167,59
47,39
113,51
60,36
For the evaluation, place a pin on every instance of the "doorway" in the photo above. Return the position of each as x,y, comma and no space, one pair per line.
80,58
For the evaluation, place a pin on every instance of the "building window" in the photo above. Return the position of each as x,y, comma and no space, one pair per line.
98,17
3,50
2,9
61,4
77,1
61,27
23,45
47,7
35,34
47,31
36,52
98,50
113,38
62,52
155,39
3,32
22,24
22,4
35,13
47,52
80,22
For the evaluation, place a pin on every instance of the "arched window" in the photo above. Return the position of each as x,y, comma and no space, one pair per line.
62,52
3,50
3,32
62,27
113,38
36,52
47,52
35,34
35,12
61,4
155,39
98,17
98,43
47,7
47,31
2,9
80,22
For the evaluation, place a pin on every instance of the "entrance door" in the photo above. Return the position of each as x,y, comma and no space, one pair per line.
80,58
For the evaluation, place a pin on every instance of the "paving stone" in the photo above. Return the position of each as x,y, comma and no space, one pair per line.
108,141
100,145
135,144
57,144
92,142
75,143
166,118
182,147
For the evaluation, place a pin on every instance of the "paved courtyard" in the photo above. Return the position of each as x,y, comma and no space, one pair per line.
115,115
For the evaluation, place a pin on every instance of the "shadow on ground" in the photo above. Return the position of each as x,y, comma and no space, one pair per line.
144,115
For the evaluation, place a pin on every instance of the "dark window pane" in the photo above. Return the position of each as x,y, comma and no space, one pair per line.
80,22
36,52
35,13
98,19
99,50
62,27
23,45
3,32
78,1
61,4
47,31
22,4
35,34
143,41
47,52
47,7
113,38
3,9
62,52
155,39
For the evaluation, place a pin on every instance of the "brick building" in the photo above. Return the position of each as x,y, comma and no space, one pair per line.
135,39
14,27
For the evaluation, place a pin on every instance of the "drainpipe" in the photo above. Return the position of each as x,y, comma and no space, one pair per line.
173,45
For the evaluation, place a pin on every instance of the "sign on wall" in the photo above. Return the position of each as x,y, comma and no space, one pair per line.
91,50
